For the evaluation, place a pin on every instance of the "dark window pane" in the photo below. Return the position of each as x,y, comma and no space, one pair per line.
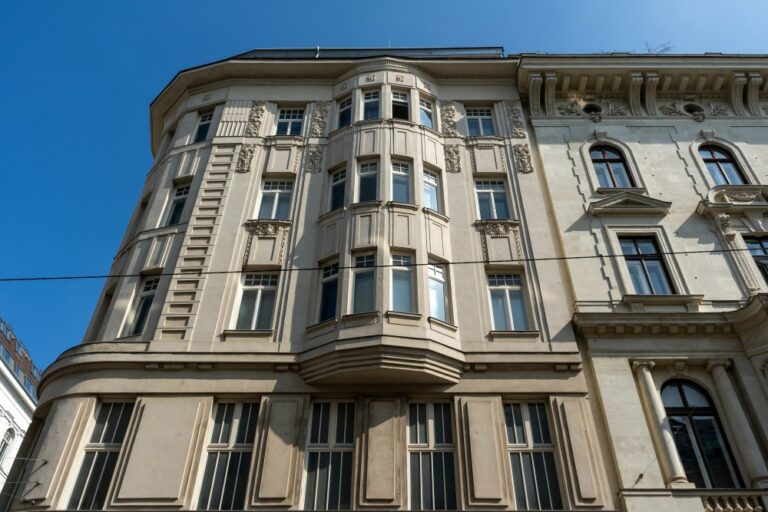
226,426
685,450
535,425
500,201
517,480
309,497
484,202
325,422
337,196
426,481
488,127
328,300
264,321
142,314
216,434
530,483
542,487
371,110
122,425
713,451
554,485
401,189
335,481
400,110
283,207
205,488
694,397
412,420
368,188
267,205
202,132
296,129
439,434
238,501
101,421
670,396
322,481
450,485
345,118
658,276
415,471
247,308
282,128
345,494
82,478
473,126
628,247
176,210
422,425
438,474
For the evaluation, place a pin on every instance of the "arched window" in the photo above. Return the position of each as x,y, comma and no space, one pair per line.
610,167
699,439
721,165
5,443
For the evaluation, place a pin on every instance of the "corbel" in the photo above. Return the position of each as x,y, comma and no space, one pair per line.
651,82
549,93
737,93
755,81
635,84
534,94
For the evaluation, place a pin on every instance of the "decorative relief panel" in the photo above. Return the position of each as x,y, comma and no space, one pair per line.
245,158
515,119
314,162
487,158
500,241
452,157
320,119
694,110
283,158
255,117
522,156
266,242
448,118
234,118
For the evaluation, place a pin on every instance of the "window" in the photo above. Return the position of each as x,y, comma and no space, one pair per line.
329,292
402,283
345,112
7,441
147,295
532,456
7,356
432,191
508,302
338,189
364,275
401,182
329,456
646,266
699,438
203,126
101,452
480,122
438,291
18,371
257,302
289,121
610,167
180,194
492,200
430,457
371,105
229,456
721,165
276,200
400,105
29,387
758,247
369,177
425,113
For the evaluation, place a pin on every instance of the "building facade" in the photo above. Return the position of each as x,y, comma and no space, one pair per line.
428,279
18,394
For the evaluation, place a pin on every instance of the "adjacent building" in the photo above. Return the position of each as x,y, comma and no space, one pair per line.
428,279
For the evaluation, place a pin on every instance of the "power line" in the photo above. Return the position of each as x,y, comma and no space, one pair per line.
320,268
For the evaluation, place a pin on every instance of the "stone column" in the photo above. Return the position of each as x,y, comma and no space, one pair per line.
745,440
661,432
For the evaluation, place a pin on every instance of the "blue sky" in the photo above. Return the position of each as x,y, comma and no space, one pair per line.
76,79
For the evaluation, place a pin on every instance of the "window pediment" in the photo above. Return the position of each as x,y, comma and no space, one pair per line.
629,203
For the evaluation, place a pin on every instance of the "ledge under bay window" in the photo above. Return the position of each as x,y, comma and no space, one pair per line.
403,318
513,335
359,319
237,334
642,303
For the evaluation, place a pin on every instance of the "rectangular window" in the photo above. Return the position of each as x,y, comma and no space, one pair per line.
29,387
532,456
147,295
329,456
329,292
646,266
276,200
401,182
508,302
19,372
364,277
180,194
492,200
7,356
425,113
480,122
402,283
203,126
431,478
438,291
338,189
345,112
400,105
432,191
101,452
257,302
289,121
758,248
371,105
228,460
368,182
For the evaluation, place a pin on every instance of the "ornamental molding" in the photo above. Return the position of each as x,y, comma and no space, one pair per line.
604,108
314,160
448,118
320,119
452,157
675,109
522,156
255,117
496,229
272,229
628,203
515,119
245,158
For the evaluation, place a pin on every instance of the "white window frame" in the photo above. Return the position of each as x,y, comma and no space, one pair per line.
426,107
343,105
329,272
495,187
401,98
290,116
432,180
179,197
370,97
278,189
438,273
364,264
366,169
517,285
258,282
206,118
480,113
338,178
403,263
403,171
148,290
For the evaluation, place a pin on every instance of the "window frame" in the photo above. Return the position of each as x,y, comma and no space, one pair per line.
762,242
290,121
642,258
501,188
437,185
730,159
364,263
179,196
427,107
344,111
396,100
278,189
5,444
443,278
509,313
370,97
406,177
473,113
328,272
272,284
148,287
365,170
608,161
334,181
205,119
405,268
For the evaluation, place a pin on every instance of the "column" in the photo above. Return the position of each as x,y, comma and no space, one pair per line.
745,440
661,432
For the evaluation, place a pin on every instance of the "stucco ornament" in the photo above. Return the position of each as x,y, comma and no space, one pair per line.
452,158
724,221
255,117
515,118
522,154
314,158
245,158
572,108
320,119
614,110
448,118
498,229
673,109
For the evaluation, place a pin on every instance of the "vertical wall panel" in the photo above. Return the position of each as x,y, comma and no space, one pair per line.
382,452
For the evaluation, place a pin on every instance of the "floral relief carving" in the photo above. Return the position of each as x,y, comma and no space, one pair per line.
320,119
515,118
266,229
245,158
498,229
448,118
674,109
255,117
452,158
314,161
522,156
572,108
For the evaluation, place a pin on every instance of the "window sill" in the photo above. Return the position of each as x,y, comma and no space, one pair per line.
403,318
513,335
338,212
435,213
272,140
638,303
376,203
605,191
322,327
358,319
441,325
403,206
474,139
241,333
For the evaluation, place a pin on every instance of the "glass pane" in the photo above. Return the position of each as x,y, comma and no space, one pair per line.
421,428
438,473
621,175
176,211
542,486
628,246
267,204
400,110
217,487
401,189
639,280
603,176
325,422
371,110
282,128
450,484
309,491
142,314
101,421
426,481
216,434
345,118
364,295
425,118
402,296
530,482
226,425
283,207
734,176
500,201
439,432
488,127
713,451
247,307
205,487
296,129
229,481
122,425
596,153
430,197
337,196
415,481
533,414
345,493
247,429
554,485
105,478
322,481
437,300
685,450
328,300
658,276
266,307
670,396
335,481
517,480
241,482
499,309
368,188
611,153
714,172
473,127
519,314
646,246
202,132
82,477
412,420
484,204
695,397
